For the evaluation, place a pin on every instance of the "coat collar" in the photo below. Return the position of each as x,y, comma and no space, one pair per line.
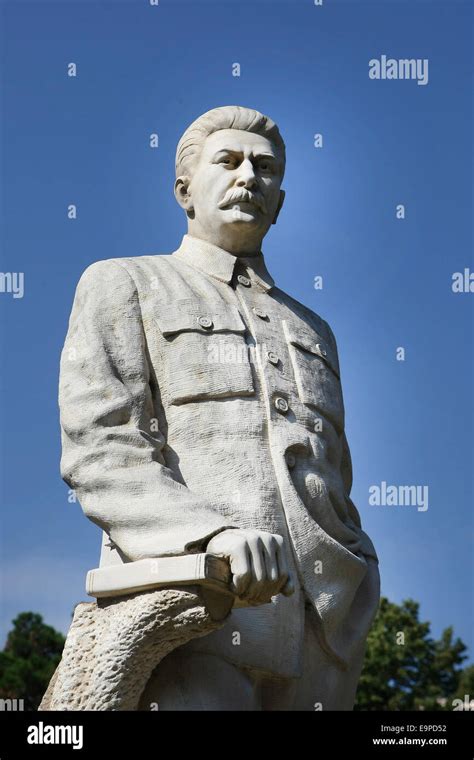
220,264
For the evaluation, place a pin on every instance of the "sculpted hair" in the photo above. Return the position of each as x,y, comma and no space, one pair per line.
225,117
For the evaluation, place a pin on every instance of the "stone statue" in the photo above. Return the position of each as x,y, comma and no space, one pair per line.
202,411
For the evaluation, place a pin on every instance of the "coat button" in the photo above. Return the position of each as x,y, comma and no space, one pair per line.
243,280
260,313
272,357
205,322
290,460
281,404
321,350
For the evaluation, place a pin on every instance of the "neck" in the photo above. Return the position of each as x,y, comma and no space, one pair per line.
243,246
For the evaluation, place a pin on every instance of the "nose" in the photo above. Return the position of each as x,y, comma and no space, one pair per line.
246,175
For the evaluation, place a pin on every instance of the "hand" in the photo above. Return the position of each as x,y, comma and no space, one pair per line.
257,562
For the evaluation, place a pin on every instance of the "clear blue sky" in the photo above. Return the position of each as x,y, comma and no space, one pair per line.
387,282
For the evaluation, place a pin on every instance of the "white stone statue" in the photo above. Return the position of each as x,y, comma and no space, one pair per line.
202,412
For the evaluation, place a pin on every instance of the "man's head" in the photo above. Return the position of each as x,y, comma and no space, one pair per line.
229,168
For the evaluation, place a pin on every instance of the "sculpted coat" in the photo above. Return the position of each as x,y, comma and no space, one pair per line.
195,396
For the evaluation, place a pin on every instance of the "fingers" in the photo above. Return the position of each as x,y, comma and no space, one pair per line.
271,561
289,588
257,589
283,570
285,583
241,569
267,557
257,562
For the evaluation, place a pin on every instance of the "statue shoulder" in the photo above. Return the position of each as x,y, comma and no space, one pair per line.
131,274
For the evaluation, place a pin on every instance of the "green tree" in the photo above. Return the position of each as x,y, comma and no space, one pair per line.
406,669
465,689
29,659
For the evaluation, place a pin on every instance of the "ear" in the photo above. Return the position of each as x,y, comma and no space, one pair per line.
181,192
279,207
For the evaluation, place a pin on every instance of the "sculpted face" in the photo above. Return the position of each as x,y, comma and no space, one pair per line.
233,195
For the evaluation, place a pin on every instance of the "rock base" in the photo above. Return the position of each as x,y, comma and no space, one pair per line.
113,646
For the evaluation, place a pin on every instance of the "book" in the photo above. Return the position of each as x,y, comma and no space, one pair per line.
161,572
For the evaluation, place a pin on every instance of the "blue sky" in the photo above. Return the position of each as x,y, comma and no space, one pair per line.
387,282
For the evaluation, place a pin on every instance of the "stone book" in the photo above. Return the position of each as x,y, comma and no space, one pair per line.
159,572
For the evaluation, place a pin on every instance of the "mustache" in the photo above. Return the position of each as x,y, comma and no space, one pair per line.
240,194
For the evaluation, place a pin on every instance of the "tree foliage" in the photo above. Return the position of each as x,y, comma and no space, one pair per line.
405,668
29,659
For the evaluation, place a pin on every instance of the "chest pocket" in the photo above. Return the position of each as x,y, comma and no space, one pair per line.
207,353
316,372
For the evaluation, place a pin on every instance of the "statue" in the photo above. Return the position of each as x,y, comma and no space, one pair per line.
202,414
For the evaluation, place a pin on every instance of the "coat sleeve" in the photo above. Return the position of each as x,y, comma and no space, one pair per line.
109,456
366,544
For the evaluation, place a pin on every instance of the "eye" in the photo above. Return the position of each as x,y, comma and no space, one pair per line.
265,166
228,162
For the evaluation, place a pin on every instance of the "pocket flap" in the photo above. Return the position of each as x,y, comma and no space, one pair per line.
309,340
187,314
